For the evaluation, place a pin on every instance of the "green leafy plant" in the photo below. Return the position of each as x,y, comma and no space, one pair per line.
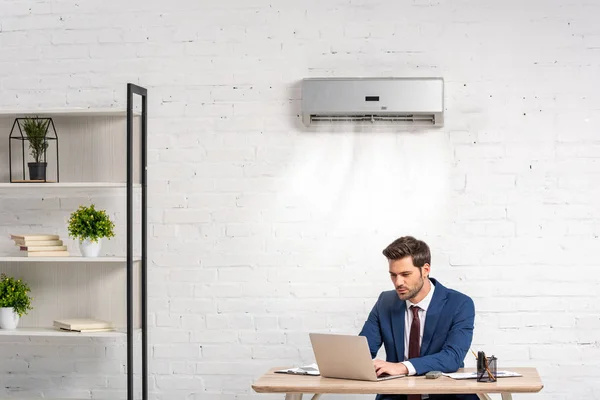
89,223
36,129
13,293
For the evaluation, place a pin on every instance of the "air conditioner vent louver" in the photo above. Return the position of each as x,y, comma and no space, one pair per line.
410,101
374,118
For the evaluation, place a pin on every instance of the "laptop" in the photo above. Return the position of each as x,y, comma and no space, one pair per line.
345,357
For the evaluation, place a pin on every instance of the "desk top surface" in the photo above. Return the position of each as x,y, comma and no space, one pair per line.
288,383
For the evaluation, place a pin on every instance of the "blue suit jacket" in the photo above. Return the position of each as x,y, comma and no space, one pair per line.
447,336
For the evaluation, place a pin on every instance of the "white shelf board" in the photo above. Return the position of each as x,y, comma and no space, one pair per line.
66,259
67,112
75,185
56,332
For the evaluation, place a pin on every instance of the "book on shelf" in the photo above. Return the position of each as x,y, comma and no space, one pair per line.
88,330
82,324
20,242
34,236
63,253
43,248
40,245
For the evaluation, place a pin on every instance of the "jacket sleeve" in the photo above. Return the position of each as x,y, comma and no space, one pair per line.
458,342
372,330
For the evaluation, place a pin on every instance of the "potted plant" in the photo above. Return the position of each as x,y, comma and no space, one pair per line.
89,226
36,129
14,301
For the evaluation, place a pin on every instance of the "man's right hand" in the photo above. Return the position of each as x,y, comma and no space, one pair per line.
384,367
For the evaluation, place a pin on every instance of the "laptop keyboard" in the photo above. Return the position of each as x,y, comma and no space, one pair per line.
385,377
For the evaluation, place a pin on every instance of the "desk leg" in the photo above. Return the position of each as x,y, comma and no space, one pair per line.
505,396
298,396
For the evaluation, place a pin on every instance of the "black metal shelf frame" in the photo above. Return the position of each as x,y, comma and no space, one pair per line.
143,93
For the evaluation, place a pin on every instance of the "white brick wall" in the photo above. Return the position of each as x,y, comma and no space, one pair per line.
262,232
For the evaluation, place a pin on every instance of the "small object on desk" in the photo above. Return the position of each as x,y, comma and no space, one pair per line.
486,368
433,374
311,369
480,360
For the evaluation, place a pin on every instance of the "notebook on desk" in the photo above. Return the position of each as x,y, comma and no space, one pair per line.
473,375
311,369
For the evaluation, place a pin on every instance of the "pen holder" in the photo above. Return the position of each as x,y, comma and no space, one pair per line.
487,369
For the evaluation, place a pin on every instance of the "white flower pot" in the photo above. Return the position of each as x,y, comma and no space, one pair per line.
89,248
9,319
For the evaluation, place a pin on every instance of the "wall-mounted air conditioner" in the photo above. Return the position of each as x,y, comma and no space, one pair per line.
411,101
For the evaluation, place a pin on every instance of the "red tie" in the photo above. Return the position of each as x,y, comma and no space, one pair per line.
414,347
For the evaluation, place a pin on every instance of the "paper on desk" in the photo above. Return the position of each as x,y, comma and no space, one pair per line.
311,369
473,375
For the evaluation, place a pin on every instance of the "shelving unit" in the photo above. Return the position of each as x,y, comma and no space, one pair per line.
68,112
70,259
66,185
56,333
102,148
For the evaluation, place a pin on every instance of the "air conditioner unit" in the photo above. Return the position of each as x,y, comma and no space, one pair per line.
410,101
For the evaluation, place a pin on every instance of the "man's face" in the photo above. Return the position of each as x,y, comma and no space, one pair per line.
407,279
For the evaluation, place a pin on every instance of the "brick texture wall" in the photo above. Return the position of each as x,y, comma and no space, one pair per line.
261,232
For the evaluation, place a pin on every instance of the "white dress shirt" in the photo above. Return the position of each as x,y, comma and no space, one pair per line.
408,318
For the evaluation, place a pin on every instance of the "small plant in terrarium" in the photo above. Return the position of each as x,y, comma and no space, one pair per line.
36,130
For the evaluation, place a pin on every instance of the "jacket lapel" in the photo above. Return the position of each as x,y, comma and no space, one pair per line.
433,315
398,315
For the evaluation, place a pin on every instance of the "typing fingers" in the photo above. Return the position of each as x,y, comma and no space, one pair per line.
381,370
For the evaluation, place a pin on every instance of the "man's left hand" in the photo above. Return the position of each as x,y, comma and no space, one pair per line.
384,367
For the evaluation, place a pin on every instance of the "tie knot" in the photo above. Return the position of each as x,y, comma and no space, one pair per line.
415,310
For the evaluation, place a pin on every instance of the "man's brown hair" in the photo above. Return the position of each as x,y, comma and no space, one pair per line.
409,246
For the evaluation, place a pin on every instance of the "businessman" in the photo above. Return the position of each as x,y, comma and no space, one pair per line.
423,325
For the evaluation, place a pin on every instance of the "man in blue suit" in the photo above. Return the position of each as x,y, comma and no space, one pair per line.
423,325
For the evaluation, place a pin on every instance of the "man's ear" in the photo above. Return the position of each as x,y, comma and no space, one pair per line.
427,269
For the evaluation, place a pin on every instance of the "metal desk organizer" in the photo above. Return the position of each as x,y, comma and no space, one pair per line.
487,368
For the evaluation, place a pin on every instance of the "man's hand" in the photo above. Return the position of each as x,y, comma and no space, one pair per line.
384,367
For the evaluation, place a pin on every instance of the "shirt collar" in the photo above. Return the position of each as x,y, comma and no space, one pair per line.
423,304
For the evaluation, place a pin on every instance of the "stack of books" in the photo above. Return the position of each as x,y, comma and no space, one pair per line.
83,325
40,245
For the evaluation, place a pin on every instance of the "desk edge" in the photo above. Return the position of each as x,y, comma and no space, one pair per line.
266,389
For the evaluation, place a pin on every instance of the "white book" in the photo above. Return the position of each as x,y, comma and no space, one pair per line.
82,324
35,236
88,330
20,242
43,248
45,253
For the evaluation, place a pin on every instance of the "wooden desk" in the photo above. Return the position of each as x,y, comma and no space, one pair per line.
295,385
